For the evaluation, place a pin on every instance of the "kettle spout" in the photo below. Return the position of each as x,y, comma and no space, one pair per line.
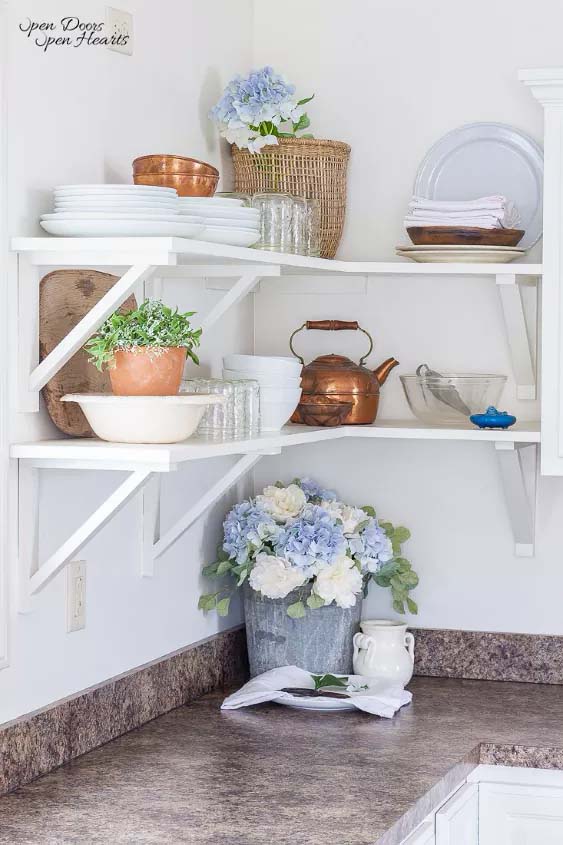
384,369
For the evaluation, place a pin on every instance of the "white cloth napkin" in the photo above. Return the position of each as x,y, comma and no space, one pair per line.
380,698
491,212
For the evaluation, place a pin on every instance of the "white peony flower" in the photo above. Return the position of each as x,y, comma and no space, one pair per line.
274,577
283,503
349,516
340,582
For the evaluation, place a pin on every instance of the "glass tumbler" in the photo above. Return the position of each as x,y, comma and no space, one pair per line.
234,195
300,226
313,246
275,221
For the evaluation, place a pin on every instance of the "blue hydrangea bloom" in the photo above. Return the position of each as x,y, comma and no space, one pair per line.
371,547
313,490
252,99
310,538
247,528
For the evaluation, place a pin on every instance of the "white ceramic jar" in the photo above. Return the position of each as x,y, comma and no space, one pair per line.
384,650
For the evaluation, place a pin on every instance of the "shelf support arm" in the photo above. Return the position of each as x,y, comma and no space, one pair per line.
519,484
242,466
244,285
508,286
77,336
34,577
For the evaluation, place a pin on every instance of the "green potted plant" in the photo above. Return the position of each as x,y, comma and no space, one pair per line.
145,349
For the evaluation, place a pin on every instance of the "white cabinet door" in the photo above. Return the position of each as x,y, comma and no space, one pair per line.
520,815
457,822
423,836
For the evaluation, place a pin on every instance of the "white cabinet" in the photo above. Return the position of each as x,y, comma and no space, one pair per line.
512,814
423,836
457,822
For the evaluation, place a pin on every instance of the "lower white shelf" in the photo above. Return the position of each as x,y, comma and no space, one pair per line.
81,453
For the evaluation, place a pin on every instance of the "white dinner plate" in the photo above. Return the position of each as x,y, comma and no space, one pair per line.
122,215
317,703
114,189
221,223
240,216
121,228
107,202
227,202
233,237
461,254
482,159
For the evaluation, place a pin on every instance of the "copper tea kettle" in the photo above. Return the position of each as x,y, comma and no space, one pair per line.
334,380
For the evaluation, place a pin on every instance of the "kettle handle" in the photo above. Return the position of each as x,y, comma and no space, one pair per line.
332,326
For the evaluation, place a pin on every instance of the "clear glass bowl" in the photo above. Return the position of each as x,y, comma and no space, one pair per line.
452,398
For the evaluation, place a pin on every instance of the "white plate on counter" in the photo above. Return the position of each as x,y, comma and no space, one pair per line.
461,254
233,237
319,704
482,159
226,202
123,227
108,202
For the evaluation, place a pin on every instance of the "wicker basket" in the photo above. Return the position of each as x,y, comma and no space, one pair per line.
303,167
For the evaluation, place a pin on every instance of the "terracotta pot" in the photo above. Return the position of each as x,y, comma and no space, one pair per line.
147,371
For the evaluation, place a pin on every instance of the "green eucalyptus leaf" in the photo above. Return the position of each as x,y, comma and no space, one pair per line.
223,606
329,680
296,610
412,605
401,534
224,566
210,570
314,601
305,100
207,602
398,606
368,509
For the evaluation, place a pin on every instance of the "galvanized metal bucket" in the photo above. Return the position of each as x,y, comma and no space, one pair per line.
320,642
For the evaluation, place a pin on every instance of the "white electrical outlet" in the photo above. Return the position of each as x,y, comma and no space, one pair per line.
76,595
119,29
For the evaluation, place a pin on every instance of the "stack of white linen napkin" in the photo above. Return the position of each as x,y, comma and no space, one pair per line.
495,212
368,694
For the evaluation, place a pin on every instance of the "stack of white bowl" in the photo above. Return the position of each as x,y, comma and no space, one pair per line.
279,380
227,220
119,210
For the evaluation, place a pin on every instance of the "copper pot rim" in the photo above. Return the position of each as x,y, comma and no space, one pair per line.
182,177
173,164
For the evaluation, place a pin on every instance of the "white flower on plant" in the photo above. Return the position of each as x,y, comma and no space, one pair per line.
274,577
339,582
283,503
261,141
349,516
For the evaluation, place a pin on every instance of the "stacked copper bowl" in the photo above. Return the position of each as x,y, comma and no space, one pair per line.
190,177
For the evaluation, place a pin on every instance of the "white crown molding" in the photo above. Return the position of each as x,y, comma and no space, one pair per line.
545,84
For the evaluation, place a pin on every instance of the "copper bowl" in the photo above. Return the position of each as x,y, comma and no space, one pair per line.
165,164
463,236
323,413
186,185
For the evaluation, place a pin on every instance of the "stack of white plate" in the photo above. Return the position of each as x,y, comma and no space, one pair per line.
119,210
279,380
227,220
462,254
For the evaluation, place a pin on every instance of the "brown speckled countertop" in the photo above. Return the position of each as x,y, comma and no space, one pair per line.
274,776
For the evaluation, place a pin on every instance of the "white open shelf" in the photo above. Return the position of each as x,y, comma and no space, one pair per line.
166,252
82,453
146,262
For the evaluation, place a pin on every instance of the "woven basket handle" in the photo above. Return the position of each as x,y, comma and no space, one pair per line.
331,326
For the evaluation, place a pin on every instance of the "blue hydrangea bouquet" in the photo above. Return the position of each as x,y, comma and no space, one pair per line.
257,109
300,538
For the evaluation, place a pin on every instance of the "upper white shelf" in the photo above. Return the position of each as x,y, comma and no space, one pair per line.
98,454
166,252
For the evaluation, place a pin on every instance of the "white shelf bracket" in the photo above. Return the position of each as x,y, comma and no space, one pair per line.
245,283
34,376
33,575
523,364
242,466
150,524
519,481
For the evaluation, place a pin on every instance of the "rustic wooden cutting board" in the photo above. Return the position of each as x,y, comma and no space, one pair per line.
65,296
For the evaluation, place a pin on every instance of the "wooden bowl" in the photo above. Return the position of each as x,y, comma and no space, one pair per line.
463,236
186,185
166,164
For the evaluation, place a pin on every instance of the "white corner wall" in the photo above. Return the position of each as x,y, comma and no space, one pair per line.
82,115
390,78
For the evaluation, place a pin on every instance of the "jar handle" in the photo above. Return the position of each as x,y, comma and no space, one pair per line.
332,326
362,641
409,643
